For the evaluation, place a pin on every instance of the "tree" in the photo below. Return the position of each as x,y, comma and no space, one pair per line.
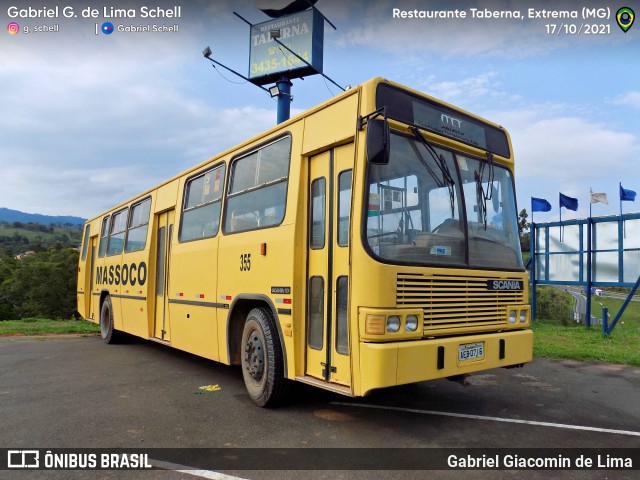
42,284
7,267
523,230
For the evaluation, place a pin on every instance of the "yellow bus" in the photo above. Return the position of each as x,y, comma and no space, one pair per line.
368,242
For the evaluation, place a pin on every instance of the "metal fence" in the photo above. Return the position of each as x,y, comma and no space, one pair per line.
592,252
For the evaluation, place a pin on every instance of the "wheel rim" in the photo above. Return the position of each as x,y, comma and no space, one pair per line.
254,356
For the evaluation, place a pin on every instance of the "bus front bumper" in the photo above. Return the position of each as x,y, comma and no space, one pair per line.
398,363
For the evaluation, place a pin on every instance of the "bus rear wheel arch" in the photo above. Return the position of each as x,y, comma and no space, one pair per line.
262,359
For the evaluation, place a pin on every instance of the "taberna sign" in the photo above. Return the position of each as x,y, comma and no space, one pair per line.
302,33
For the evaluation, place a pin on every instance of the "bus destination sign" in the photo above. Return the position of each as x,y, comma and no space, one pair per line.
440,119
448,125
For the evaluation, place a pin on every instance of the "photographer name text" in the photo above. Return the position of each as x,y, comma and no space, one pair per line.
91,12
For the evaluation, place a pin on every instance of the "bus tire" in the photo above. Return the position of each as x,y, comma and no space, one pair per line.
262,359
107,332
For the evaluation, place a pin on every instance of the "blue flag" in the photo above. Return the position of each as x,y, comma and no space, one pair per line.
627,195
568,202
540,205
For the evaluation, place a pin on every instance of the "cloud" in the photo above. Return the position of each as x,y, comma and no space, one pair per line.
472,92
82,132
629,99
555,152
569,148
46,179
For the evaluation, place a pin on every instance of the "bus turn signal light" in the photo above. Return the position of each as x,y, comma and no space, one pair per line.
375,324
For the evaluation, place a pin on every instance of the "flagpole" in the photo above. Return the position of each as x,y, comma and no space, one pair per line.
624,227
560,203
620,197
590,200
531,209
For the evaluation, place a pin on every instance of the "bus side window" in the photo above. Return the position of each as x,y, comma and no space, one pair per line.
344,207
117,232
138,226
104,235
201,207
257,193
85,243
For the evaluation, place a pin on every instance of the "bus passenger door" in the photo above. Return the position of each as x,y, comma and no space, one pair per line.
327,333
164,236
93,305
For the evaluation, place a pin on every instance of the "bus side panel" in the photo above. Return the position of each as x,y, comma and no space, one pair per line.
167,197
136,271
192,295
245,271
332,125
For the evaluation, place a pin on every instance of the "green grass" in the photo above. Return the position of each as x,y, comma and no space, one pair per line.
44,326
578,342
587,344
631,313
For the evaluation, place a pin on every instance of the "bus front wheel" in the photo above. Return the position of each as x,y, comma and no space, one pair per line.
262,361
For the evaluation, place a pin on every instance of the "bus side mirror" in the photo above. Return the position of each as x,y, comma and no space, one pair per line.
378,142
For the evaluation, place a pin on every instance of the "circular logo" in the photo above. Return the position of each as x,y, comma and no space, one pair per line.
13,28
107,28
625,18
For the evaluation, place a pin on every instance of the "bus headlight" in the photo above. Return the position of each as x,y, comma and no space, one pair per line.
512,316
393,324
411,323
523,316
390,324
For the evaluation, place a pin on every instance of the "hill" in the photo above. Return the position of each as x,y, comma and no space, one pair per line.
11,216
21,237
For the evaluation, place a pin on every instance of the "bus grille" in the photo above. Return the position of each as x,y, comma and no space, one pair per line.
456,304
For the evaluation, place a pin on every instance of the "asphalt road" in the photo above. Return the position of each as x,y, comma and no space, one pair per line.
77,392
580,307
620,296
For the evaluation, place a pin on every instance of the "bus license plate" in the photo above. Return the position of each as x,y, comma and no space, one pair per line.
471,351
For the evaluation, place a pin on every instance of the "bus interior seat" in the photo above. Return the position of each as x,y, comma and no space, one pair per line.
244,222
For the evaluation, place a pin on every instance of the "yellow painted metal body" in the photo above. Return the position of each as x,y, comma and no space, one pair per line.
209,284
398,363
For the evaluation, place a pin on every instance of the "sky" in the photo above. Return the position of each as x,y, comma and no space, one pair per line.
90,120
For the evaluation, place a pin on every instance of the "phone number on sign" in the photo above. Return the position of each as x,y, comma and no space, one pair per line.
574,29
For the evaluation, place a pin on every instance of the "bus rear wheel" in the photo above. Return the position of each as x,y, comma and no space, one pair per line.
262,359
107,332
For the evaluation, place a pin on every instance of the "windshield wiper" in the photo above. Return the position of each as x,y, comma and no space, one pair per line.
447,178
481,195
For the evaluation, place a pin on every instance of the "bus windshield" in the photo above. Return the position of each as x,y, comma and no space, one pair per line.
449,210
